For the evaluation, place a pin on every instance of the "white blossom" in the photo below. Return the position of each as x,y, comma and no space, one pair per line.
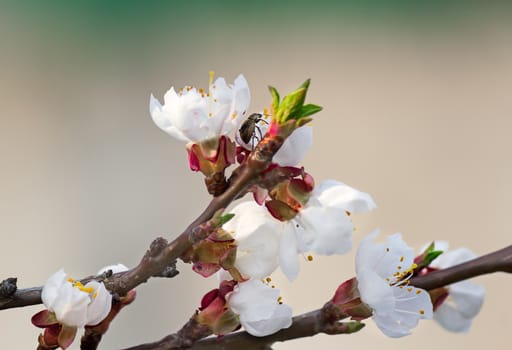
257,240
323,227
259,308
74,304
382,271
194,115
465,298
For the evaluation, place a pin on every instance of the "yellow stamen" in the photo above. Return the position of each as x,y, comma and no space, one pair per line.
422,312
401,259
268,279
418,291
310,258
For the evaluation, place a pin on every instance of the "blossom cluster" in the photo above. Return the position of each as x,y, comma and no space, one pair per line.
293,217
290,216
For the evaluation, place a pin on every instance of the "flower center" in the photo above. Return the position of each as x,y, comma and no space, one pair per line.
82,288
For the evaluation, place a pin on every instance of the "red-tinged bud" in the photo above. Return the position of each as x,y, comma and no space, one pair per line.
214,313
438,296
425,258
55,334
273,129
348,300
212,157
290,195
44,319
213,253
259,194
282,130
280,210
48,340
66,336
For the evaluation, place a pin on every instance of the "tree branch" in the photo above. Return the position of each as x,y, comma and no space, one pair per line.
183,339
161,254
327,319
498,261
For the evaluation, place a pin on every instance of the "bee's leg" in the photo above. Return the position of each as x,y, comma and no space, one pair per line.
259,132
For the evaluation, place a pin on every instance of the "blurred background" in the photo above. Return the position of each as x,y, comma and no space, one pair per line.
417,112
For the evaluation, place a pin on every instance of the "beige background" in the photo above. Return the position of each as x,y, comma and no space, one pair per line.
418,112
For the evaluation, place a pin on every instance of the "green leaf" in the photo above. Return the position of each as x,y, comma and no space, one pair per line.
309,109
275,97
291,105
431,256
305,84
225,218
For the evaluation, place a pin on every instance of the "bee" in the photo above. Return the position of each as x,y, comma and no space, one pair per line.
249,128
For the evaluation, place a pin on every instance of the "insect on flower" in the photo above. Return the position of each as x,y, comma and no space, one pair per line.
250,126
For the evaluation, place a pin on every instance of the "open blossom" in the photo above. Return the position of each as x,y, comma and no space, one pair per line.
195,115
322,226
257,240
259,308
382,271
74,304
464,298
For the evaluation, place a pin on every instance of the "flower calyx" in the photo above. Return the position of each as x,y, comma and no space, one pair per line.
215,252
427,257
289,196
212,157
214,312
347,300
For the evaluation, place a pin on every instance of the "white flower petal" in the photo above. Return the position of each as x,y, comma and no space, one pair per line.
258,308
257,254
72,303
336,194
375,291
332,230
465,298
70,306
453,257
162,121
295,147
253,300
468,298
380,270
257,239
51,287
194,115
281,318
449,318
100,305
288,249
